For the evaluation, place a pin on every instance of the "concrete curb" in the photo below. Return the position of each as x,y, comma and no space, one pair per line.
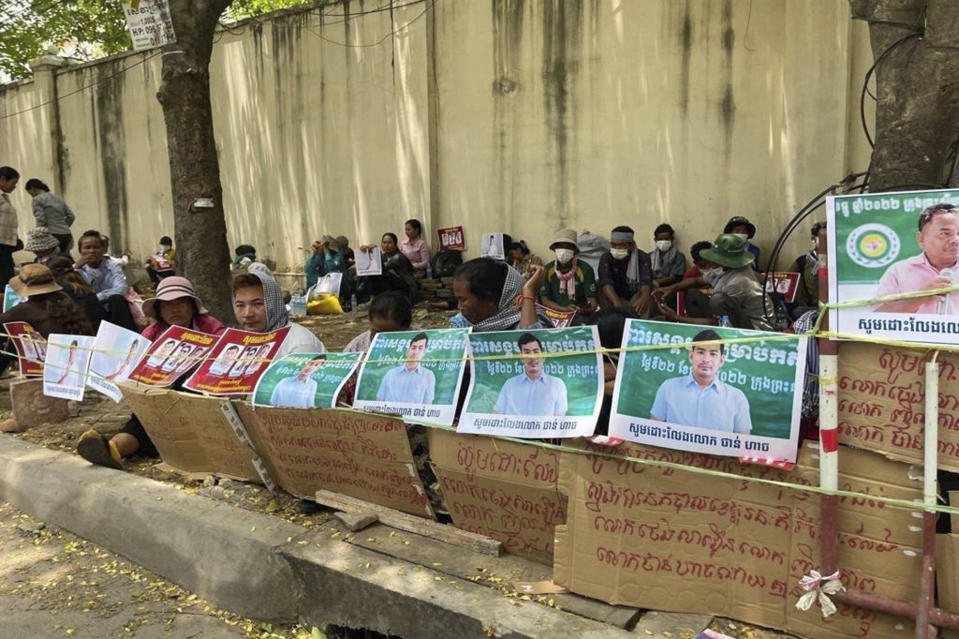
242,561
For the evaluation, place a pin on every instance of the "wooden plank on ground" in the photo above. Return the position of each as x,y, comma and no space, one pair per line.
410,523
495,572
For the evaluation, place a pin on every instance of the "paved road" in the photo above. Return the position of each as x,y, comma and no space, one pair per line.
54,584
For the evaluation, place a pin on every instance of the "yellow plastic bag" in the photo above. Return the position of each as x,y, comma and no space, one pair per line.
324,305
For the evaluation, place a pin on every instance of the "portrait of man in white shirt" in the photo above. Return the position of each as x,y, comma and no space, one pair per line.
411,383
299,391
534,392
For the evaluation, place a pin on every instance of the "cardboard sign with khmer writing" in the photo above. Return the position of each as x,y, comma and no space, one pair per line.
500,489
684,542
191,433
344,451
881,396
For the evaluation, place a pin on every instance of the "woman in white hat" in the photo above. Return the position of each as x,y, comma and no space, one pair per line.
175,304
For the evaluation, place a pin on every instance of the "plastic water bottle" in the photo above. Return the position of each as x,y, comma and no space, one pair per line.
429,271
724,321
353,304
298,305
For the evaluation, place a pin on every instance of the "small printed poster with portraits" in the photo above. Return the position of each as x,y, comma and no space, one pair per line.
305,380
116,352
415,374
680,386
173,354
65,366
884,245
369,262
492,246
536,383
236,362
30,345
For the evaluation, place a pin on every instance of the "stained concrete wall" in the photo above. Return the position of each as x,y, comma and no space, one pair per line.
495,114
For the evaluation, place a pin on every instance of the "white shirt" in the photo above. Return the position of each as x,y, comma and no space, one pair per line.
293,393
300,340
522,396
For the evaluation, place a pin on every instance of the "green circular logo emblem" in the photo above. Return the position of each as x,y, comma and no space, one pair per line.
873,245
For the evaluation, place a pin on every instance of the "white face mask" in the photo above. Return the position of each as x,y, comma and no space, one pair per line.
744,236
711,274
164,248
664,245
618,254
563,256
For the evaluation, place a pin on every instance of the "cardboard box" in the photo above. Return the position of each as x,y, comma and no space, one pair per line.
191,433
500,489
881,397
681,542
345,451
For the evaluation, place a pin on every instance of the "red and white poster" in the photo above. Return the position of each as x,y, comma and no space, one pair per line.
783,282
172,355
30,345
452,239
236,362
560,319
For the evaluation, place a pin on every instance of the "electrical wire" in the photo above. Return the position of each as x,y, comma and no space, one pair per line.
83,88
865,83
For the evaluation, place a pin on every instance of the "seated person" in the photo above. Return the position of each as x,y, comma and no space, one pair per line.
388,312
245,254
175,304
738,225
415,249
519,257
106,277
737,293
259,308
327,259
492,296
666,262
160,264
43,244
78,289
343,244
625,276
397,272
570,284
807,265
699,263
47,309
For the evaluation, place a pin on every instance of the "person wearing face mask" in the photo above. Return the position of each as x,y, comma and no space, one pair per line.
740,226
570,283
625,277
667,263
807,265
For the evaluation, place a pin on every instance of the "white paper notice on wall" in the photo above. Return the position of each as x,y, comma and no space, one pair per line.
149,23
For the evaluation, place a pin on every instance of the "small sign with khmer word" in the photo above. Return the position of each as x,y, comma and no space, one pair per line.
149,23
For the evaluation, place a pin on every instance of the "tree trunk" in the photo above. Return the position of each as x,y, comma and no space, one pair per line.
202,252
917,82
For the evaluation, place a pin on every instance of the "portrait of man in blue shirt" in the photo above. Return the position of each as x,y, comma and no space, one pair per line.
534,392
410,383
701,399
299,391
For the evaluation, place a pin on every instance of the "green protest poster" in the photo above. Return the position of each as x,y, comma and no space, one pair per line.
415,374
887,244
534,383
305,380
679,386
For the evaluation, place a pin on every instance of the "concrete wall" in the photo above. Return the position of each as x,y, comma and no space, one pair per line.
501,115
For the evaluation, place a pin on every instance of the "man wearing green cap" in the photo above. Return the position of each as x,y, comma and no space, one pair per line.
737,293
